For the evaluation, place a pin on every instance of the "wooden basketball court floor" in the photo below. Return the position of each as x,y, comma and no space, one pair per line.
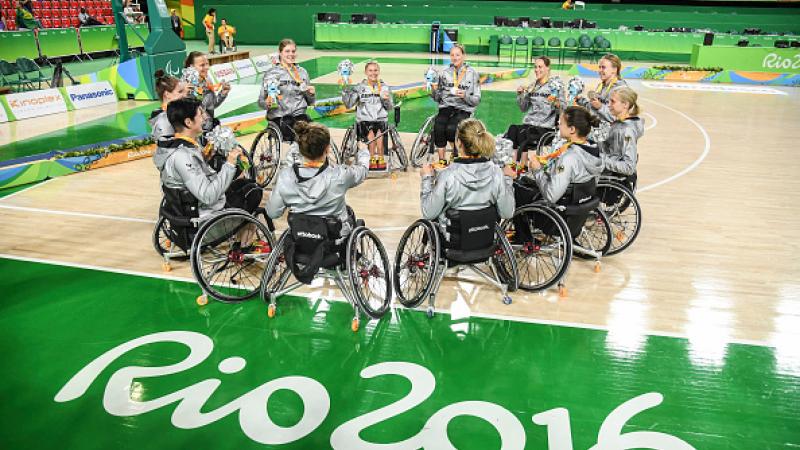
717,261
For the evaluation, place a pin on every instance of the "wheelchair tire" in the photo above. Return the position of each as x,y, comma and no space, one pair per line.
542,262
417,254
623,211
595,234
277,272
369,272
335,156
504,262
349,146
423,143
225,268
161,238
265,154
397,151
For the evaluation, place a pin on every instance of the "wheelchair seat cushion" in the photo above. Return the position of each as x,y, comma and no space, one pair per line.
471,234
311,245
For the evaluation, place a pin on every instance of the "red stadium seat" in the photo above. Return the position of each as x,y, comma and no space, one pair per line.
75,22
46,23
46,13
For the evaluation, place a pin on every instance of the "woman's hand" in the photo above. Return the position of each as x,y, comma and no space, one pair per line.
533,161
596,103
461,93
226,87
269,101
311,90
509,172
233,156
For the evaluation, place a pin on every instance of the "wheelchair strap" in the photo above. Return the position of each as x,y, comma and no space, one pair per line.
302,179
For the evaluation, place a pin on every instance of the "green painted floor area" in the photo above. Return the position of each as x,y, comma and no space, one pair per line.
304,380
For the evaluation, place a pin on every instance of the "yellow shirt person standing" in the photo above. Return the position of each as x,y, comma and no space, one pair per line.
208,22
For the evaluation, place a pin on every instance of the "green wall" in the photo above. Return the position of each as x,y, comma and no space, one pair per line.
268,22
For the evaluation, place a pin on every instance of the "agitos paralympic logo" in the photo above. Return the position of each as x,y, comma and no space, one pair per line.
119,399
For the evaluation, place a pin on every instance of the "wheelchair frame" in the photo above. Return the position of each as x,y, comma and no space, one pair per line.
395,149
439,265
358,272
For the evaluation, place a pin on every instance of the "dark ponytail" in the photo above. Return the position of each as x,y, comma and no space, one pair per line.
312,138
164,83
580,118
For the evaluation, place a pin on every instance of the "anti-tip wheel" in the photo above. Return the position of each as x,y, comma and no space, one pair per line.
506,299
271,310
166,267
430,312
202,300
354,325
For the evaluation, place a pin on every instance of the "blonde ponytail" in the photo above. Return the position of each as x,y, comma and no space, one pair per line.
475,138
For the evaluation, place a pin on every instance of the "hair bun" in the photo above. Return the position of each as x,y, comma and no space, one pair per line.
160,73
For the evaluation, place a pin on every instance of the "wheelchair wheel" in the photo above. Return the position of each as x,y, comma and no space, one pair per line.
335,156
277,271
543,147
229,255
368,267
504,262
164,239
595,234
265,154
397,151
423,143
623,212
543,250
349,146
416,263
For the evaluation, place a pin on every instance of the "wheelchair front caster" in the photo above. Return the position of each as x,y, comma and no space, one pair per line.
562,290
166,267
506,299
597,267
394,177
430,312
271,310
354,325
202,300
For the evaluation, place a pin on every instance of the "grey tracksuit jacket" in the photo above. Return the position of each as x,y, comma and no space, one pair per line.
619,150
161,128
578,164
539,111
469,83
604,95
211,101
469,186
370,106
294,100
182,166
322,195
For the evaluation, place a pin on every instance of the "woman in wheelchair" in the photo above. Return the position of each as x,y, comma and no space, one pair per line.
168,89
577,161
372,100
472,182
211,95
183,167
458,93
540,102
296,91
312,187
619,149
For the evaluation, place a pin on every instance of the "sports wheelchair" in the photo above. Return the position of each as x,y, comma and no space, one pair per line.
428,249
312,247
618,202
545,236
396,152
265,152
228,250
423,143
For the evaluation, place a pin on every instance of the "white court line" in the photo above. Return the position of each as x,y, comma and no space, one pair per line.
653,121
76,214
691,166
26,189
530,320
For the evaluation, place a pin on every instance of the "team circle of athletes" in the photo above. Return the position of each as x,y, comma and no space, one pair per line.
570,135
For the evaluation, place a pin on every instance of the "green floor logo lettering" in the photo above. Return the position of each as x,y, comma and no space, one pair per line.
256,424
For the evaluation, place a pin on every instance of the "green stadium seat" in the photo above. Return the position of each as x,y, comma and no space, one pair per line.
537,47
554,44
31,72
505,48
520,47
570,48
9,76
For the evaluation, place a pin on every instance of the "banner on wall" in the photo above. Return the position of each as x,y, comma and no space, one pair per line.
262,63
245,68
24,105
92,94
223,72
